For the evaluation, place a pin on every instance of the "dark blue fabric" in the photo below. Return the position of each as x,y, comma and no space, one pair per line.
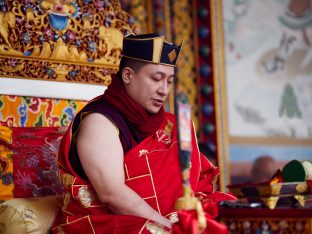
141,47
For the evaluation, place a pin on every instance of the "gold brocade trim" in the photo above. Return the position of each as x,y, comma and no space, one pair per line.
146,198
144,225
74,221
144,60
137,177
152,180
127,172
82,185
142,152
160,150
67,212
91,224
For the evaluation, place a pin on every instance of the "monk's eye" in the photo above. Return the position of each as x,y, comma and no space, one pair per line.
156,78
170,81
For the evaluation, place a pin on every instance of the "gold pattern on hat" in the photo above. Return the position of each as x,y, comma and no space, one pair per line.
172,55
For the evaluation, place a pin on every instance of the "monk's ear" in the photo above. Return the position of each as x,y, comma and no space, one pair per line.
126,75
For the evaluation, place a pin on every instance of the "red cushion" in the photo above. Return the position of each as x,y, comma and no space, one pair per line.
35,150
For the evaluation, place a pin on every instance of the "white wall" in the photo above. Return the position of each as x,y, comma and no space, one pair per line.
49,89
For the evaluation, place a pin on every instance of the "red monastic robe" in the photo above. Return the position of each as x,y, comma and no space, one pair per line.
152,169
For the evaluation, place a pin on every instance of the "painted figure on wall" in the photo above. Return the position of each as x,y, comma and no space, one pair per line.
269,55
297,20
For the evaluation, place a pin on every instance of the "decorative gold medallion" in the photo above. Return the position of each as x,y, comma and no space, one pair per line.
302,188
163,136
174,218
86,197
67,179
155,228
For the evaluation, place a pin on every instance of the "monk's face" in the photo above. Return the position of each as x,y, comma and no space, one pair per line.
149,86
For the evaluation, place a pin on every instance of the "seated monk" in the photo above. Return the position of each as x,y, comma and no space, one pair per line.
119,160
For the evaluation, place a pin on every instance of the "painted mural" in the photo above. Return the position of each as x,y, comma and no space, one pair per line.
268,51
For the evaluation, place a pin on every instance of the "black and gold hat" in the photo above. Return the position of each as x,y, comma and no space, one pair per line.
150,48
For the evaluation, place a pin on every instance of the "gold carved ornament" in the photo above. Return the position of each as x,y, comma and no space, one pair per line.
75,41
